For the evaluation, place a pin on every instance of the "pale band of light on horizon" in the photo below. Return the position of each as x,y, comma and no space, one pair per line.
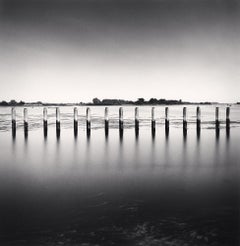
72,51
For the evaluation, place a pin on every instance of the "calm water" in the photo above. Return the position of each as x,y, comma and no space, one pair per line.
145,190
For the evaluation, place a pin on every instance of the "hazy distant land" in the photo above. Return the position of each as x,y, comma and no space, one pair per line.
107,102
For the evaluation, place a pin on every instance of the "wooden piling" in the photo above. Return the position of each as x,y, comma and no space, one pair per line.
153,121
121,123
106,121
25,116
184,120
75,121
166,121
88,121
228,118
45,122
217,122
136,121
13,122
120,118
58,128
198,116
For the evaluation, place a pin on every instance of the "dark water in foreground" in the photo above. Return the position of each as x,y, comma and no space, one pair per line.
112,191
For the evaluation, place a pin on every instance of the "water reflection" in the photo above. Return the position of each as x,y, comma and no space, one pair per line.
153,151
120,150
13,130
166,148
136,151
227,133
153,131
106,150
167,130
58,195
217,131
184,149
58,130
121,134
106,129
198,133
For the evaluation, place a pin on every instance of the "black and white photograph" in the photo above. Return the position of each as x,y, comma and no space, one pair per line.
119,122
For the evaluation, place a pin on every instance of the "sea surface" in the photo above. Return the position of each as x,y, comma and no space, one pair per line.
163,189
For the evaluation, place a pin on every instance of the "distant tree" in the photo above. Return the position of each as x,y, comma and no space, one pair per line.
21,103
96,101
3,103
162,101
140,101
13,102
153,101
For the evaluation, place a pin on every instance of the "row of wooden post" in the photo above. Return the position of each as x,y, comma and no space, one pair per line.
106,119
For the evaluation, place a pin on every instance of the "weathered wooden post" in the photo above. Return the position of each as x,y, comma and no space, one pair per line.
153,121
166,121
13,122
217,122
121,118
75,121
88,121
198,121
136,122
228,118
106,121
45,123
25,116
185,121
58,128
121,122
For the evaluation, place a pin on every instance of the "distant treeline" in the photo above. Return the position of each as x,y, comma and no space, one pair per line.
139,101
12,103
96,101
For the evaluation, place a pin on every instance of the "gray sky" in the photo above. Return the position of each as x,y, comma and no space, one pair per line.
71,51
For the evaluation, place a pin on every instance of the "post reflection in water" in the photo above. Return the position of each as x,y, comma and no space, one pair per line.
121,134
166,149
198,133
133,180
228,132
120,161
136,152
106,150
153,151
217,131
106,129
184,150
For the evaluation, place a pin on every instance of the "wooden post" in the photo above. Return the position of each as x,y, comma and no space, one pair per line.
106,121
184,121
25,115
166,121
198,120
13,123
121,122
228,118
136,121
75,121
153,121
88,121
58,128
120,118
217,122
45,122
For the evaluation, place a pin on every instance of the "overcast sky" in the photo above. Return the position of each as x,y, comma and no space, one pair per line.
74,50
